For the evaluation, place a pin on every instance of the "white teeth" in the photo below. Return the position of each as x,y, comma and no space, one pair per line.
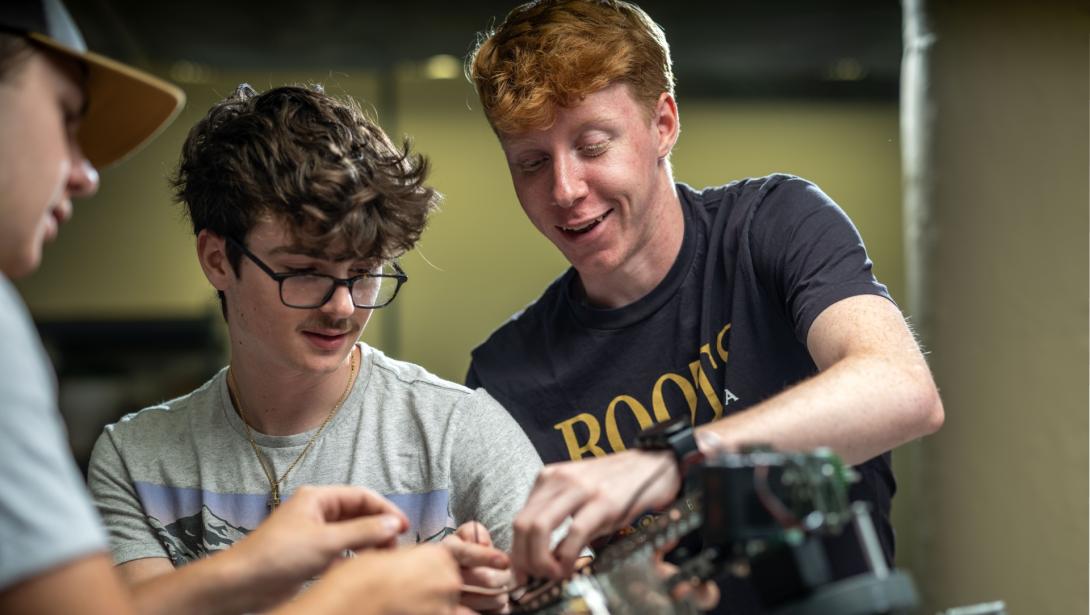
585,227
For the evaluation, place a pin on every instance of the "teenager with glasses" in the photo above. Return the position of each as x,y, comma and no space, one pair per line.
301,206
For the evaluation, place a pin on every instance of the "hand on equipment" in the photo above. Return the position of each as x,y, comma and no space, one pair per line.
486,571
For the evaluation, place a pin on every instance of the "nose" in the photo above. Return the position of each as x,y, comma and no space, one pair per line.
568,185
340,304
82,177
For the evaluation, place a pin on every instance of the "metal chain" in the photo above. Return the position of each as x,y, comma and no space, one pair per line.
274,483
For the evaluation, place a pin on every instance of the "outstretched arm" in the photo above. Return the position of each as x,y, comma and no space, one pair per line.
874,392
85,585
297,542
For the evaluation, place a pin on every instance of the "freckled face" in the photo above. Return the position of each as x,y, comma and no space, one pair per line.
594,182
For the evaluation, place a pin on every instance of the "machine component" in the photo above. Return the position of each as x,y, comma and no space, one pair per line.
775,518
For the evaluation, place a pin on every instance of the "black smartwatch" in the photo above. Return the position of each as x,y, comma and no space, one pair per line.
675,435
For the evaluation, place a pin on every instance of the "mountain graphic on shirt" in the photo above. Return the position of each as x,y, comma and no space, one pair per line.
197,535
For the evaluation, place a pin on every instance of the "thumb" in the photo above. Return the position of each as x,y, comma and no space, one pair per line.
370,532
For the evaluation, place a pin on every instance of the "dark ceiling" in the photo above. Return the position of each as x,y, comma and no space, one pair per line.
781,48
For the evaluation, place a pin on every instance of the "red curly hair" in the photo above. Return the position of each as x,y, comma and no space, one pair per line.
553,53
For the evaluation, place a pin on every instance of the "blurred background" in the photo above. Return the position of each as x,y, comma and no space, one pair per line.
965,169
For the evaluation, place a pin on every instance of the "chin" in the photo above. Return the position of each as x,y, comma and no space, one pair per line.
23,264
596,264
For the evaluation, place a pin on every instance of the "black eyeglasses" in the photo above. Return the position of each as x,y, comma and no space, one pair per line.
306,290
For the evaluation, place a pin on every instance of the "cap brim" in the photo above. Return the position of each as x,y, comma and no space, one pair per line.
126,107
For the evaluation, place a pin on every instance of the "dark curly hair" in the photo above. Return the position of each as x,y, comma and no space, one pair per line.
312,160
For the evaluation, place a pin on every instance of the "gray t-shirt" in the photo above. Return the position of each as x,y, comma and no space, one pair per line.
180,480
46,518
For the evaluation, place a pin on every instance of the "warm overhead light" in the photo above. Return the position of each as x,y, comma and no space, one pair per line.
184,71
846,69
442,66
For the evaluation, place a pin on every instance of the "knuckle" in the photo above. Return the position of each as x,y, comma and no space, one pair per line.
522,524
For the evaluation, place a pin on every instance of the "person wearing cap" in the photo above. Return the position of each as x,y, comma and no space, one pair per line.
64,111
746,313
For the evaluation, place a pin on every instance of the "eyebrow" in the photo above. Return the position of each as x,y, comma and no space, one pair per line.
314,253
299,251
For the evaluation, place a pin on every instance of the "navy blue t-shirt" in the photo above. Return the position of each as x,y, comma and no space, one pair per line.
725,329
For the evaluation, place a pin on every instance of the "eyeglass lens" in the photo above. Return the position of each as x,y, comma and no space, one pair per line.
312,290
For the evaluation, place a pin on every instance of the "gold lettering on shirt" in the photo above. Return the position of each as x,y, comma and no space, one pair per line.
642,417
594,432
701,379
686,386
658,402
719,343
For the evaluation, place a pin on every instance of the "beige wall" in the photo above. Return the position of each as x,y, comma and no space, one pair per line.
1002,510
129,253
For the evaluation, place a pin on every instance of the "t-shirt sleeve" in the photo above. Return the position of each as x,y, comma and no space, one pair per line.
494,466
807,249
473,380
131,535
46,518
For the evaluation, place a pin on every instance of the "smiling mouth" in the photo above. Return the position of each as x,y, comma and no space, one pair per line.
579,230
328,335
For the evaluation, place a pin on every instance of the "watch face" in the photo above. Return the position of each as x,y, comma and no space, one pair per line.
675,434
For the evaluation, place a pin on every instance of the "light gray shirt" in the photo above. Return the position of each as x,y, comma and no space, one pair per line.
46,518
180,480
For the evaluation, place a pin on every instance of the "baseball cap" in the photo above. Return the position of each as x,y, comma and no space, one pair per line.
125,107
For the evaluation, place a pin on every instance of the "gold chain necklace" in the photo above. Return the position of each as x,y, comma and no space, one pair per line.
274,483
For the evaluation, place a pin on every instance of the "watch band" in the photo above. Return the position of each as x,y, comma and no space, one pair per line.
675,435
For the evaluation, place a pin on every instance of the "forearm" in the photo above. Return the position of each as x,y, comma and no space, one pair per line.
861,406
216,585
87,585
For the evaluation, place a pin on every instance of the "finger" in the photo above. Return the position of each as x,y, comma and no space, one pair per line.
443,572
470,555
706,596
484,578
593,520
702,595
482,604
553,501
474,532
371,532
340,502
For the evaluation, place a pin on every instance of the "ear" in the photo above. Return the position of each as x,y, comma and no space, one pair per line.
667,123
212,254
